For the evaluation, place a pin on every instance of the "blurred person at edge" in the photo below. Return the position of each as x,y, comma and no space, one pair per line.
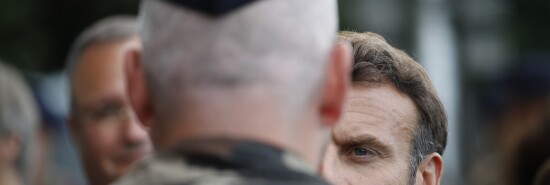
18,129
518,107
102,123
237,92
394,127
543,174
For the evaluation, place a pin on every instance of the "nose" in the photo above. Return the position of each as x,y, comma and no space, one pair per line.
134,134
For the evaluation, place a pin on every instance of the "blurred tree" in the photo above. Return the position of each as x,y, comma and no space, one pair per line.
36,35
530,24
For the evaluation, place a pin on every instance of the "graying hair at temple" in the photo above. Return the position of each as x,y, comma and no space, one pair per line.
106,30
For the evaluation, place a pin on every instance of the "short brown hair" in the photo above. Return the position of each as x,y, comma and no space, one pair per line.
376,60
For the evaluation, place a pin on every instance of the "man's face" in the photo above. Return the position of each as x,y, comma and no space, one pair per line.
104,126
371,143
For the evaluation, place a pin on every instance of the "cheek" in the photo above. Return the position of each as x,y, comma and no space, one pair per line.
368,175
100,138
340,173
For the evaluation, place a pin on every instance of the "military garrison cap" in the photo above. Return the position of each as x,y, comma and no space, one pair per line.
213,7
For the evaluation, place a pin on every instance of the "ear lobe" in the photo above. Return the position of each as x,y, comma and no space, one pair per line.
337,83
136,87
431,169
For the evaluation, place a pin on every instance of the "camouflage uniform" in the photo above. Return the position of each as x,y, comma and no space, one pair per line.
222,162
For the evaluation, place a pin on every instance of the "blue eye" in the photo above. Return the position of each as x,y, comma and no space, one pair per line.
362,152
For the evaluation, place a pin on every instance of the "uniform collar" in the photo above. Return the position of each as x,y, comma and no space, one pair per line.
247,154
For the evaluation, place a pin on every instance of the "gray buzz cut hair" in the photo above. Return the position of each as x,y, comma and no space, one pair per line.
283,45
105,30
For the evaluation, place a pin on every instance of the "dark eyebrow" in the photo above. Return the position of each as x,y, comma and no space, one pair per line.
347,141
101,103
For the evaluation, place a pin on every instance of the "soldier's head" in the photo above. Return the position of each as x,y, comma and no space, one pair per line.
394,128
102,122
265,64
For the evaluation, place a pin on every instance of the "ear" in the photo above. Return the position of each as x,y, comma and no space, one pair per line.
337,83
137,89
430,170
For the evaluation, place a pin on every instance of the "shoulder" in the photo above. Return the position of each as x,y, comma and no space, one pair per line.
169,169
